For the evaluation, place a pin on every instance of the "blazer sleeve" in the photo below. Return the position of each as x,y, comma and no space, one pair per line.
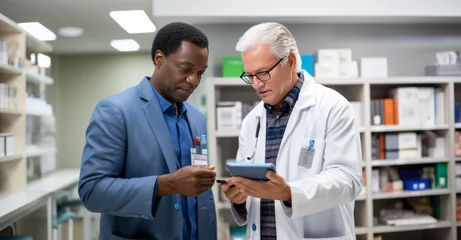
101,187
340,181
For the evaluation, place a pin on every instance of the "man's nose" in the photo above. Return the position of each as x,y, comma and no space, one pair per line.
193,79
256,84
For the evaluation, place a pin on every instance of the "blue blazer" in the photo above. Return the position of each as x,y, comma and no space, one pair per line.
127,147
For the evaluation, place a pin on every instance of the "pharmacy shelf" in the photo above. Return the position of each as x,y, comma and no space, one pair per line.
227,134
385,128
362,89
408,194
37,46
34,151
361,230
6,69
397,162
458,224
8,111
38,79
10,158
418,227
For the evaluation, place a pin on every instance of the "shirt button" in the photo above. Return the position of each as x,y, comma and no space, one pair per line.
253,227
176,206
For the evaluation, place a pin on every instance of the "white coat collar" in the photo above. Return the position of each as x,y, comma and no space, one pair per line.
306,97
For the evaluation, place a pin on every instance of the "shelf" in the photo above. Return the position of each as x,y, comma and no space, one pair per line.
361,197
383,128
231,81
458,224
19,204
36,45
458,159
38,79
458,125
408,194
391,229
58,180
10,158
230,133
8,26
392,162
360,230
419,80
6,69
10,111
34,151
340,81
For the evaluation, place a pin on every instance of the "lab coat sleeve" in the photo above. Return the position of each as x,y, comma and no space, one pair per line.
101,187
239,212
340,180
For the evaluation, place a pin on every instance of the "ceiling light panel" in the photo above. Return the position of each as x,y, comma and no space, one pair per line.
133,21
125,45
39,31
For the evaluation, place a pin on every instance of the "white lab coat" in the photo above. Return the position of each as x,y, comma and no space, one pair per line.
323,193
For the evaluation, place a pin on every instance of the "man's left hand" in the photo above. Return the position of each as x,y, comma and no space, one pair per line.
275,188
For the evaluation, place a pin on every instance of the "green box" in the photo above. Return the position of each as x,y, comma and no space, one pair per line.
441,175
232,66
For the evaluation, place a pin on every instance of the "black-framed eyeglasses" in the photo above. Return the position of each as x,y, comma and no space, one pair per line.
262,76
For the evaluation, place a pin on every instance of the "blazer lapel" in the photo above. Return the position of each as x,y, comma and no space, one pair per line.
157,123
193,127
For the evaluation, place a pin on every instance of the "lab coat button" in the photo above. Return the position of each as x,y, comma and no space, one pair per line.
176,206
253,227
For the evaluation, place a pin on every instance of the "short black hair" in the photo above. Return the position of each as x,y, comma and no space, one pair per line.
170,37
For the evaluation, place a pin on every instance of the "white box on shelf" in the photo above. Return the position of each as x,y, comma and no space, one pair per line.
349,69
426,106
228,116
407,105
438,149
335,56
373,67
8,144
326,70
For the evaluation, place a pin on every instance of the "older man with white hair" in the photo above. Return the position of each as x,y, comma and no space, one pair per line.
308,132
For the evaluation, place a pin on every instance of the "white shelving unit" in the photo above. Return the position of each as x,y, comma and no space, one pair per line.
223,146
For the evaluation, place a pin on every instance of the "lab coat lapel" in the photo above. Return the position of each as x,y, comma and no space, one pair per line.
157,123
306,99
260,155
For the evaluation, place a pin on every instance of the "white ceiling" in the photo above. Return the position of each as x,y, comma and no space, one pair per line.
91,15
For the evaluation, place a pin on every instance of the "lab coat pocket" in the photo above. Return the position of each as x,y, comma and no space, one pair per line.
308,156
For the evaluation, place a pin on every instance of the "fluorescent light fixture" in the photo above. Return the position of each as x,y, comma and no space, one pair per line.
70,31
133,21
37,30
125,45
44,61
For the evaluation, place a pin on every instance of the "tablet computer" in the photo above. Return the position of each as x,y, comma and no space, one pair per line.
254,171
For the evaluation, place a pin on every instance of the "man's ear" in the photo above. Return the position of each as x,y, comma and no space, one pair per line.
159,58
292,60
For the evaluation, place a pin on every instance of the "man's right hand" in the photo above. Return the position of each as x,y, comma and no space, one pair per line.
233,193
187,181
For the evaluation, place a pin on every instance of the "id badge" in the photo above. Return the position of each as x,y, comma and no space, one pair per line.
198,159
306,157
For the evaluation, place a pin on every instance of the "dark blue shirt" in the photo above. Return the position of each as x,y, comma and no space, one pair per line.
182,143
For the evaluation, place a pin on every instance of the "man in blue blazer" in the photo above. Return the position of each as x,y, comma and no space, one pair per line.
136,166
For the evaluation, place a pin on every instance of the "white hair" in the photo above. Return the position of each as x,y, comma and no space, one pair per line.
276,35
